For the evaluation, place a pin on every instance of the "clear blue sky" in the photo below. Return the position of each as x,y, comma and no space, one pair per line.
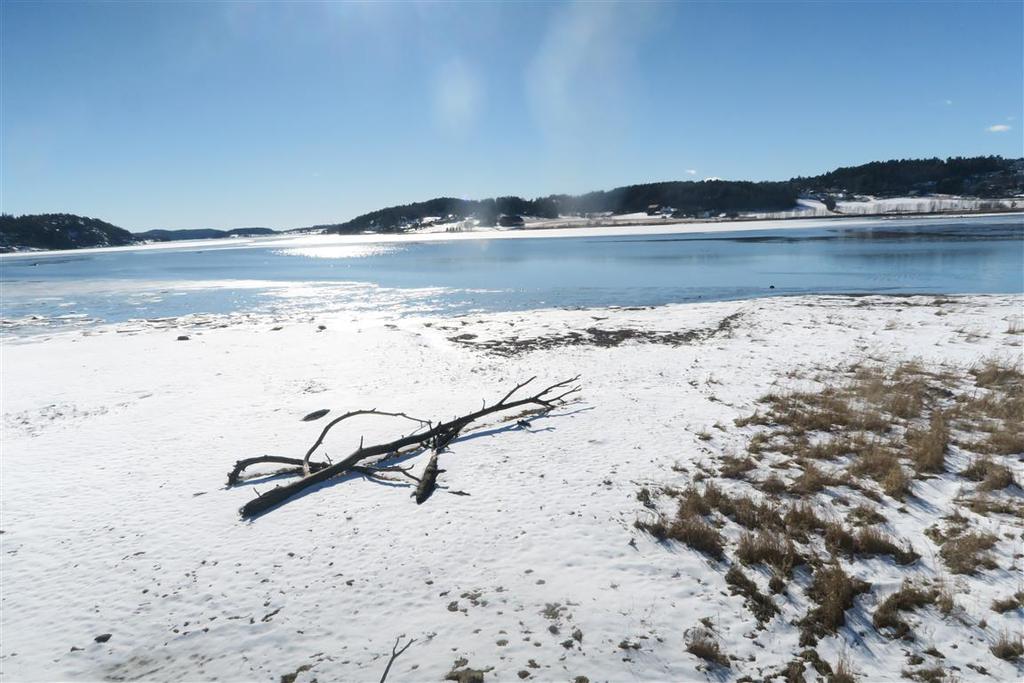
177,115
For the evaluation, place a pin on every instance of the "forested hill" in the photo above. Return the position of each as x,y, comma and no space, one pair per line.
977,176
59,231
973,176
68,231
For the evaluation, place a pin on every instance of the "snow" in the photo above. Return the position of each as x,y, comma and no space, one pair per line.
117,440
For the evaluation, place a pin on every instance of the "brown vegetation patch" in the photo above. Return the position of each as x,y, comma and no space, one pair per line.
968,553
833,591
1004,605
907,598
771,548
701,642
1008,647
760,605
599,337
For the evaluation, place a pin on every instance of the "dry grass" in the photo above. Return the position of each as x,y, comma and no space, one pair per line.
1008,647
833,591
996,373
907,598
701,642
986,505
864,515
993,476
811,481
968,553
927,447
1004,605
801,520
760,605
874,541
773,485
733,467
771,548
843,672
688,527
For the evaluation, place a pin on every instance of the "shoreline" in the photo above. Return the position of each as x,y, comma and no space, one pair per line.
667,227
139,538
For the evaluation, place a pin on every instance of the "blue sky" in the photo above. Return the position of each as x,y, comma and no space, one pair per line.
153,115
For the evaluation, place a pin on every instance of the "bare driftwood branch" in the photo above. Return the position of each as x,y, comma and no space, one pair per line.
395,653
435,436
235,474
316,444
428,482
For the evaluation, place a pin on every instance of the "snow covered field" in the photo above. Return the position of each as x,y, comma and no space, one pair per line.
116,521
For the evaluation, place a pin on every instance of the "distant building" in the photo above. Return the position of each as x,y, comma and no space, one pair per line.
510,221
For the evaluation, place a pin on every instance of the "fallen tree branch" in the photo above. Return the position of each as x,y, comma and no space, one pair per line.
436,437
395,653
234,476
316,444
428,482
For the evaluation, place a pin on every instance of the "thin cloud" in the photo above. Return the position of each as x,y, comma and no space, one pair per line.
458,96
998,128
691,171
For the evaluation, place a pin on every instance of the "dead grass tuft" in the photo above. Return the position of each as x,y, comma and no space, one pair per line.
771,548
688,527
1008,647
733,467
968,553
833,591
873,541
864,515
907,598
996,373
993,476
1004,605
811,481
701,642
927,448
773,485
760,605
843,672
801,520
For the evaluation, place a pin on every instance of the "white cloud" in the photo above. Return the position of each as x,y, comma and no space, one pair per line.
711,178
458,95
691,171
998,128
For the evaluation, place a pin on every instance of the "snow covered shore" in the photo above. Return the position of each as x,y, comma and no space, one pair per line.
115,518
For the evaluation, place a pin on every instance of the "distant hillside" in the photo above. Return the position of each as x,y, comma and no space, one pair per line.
978,176
200,234
59,231
983,177
680,198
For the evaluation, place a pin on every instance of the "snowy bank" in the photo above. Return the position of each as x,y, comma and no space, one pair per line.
116,520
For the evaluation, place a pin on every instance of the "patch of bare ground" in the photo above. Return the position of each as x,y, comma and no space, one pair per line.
599,337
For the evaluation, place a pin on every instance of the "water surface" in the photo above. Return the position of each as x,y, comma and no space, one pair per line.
888,256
